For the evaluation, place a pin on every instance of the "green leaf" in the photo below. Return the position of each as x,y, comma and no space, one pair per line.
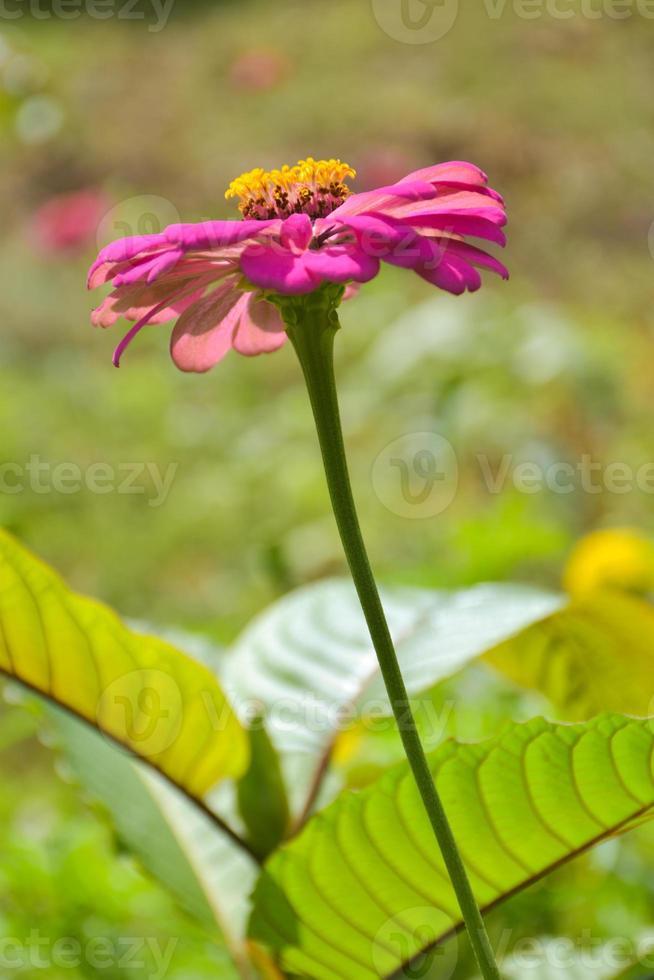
308,660
261,794
180,846
138,690
596,655
363,890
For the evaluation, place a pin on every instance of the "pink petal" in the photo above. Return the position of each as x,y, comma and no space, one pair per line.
342,263
203,334
296,232
384,198
282,271
133,302
456,202
127,248
260,328
476,256
102,271
149,269
452,274
414,251
457,170
459,185
376,234
459,224
210,235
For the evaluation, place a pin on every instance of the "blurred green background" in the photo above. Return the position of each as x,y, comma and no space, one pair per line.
154,120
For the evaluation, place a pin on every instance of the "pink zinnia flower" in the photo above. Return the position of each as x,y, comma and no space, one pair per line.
69,222
301,229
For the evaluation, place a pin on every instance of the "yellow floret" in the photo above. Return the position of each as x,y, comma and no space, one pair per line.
309,172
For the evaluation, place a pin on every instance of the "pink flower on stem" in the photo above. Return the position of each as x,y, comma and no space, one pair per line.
301,229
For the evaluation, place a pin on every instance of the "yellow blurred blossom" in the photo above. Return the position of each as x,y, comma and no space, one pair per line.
616,558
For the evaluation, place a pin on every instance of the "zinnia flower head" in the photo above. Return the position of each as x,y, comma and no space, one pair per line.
301,229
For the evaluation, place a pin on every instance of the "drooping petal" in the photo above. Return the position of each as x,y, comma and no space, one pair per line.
451,273
203,334
476,256
149,317
260,328
150,268
103,270
133,302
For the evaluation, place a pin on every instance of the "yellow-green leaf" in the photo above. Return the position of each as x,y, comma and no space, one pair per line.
140,691
595,655
363,889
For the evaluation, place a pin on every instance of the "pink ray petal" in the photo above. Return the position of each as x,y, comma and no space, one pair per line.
260,329
203,334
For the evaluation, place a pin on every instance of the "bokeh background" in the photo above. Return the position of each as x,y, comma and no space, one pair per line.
146,123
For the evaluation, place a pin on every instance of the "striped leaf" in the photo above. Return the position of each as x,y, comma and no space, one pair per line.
308,658
139,691
206,871
363,889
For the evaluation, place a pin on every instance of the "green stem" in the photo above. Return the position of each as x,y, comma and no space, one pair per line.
312,326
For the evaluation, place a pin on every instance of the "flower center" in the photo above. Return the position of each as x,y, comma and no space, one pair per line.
313,187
